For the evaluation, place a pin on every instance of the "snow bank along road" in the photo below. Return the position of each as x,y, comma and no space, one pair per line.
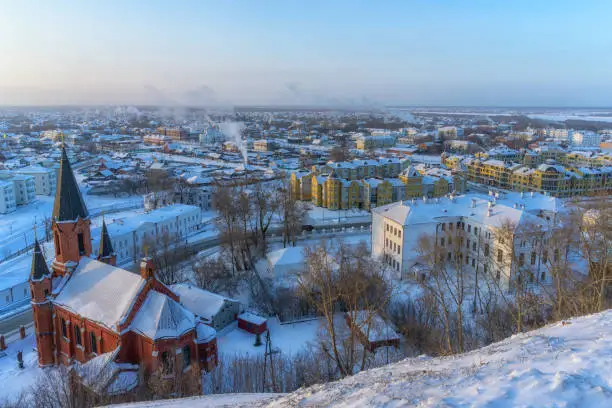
566,364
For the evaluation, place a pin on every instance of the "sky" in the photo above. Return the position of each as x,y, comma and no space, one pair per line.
306,52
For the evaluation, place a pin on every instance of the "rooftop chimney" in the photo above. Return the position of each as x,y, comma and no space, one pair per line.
473,203
147,269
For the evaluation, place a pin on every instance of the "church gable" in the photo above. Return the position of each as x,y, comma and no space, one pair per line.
100,292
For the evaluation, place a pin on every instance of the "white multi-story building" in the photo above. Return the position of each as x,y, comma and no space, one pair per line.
7,197
131,236
24,189
585,138
558,135
45,179
475,223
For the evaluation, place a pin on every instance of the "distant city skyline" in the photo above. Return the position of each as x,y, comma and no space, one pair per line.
327,53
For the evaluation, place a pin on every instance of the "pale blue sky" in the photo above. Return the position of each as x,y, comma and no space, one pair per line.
434,52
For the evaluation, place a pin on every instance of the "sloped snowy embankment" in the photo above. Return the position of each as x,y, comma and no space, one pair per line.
565,364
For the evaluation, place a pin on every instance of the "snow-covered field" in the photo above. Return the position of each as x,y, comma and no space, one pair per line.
563,365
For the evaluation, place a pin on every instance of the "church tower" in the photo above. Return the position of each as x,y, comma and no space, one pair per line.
40,288
70,221
106,253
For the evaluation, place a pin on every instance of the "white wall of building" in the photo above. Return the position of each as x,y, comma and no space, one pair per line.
45,179
129,235
7,197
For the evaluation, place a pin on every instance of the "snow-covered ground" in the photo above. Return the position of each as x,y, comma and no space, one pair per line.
567,364
14,380
290,338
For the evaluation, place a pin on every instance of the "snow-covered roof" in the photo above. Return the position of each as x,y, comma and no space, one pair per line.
204,333
472,206
286,256
252,318
376,328
161,317
33,169
99,292
200,302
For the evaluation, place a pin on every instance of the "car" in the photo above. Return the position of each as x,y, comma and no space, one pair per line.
307,228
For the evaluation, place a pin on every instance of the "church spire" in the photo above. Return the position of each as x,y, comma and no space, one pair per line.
106,252
39,265
69,204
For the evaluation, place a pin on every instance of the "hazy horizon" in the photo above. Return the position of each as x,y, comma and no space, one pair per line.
309,53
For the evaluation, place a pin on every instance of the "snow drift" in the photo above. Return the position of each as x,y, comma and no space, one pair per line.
564,364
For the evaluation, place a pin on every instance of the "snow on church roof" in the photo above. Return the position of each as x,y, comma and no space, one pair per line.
205,333
161,317
100,292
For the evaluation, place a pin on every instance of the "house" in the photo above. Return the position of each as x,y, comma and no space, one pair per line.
285,262
87,310
252,323
372,330
210,308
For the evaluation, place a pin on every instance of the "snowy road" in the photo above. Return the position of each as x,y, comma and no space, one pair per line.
12,323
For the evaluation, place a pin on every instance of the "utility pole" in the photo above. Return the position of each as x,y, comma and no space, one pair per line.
268,354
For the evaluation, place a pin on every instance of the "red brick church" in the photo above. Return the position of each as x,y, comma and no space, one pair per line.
89,309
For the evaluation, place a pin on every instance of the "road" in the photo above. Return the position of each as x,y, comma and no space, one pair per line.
13,322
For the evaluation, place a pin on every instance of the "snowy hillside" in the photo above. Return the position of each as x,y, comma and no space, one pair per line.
565,364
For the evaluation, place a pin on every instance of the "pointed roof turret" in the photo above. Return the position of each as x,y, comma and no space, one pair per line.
106,247
69,204
40,269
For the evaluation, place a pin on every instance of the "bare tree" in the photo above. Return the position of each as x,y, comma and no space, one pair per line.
344,282
167,252
293,212
214,275
157,181
266,204
446,255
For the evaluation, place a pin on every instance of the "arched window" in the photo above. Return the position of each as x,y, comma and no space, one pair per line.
166,362
64,331
77,335
186,356
94,345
